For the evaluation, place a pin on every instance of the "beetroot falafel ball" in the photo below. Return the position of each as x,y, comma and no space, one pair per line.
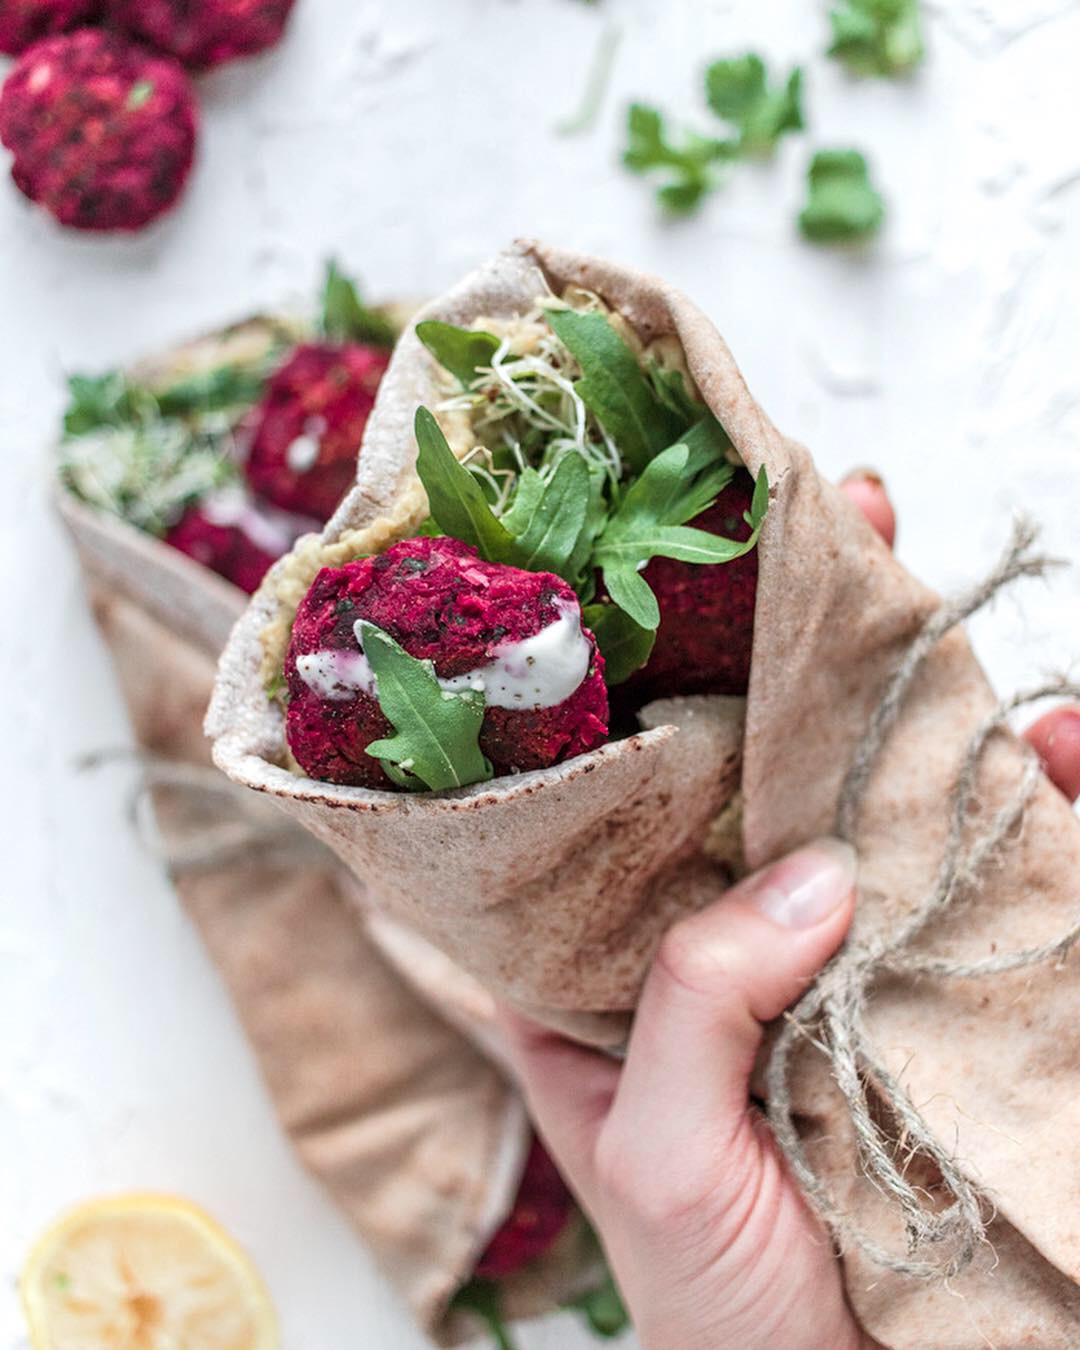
23,22
102,130
203,33
706,611
226,547
441,602
542,1209
309,424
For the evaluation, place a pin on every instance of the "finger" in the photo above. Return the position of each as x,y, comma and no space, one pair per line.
718,976
568,1090
1056,739
867,491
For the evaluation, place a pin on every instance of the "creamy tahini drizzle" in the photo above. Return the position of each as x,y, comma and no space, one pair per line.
541,671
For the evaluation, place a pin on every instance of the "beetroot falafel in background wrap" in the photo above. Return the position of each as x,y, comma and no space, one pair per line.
553,885
420,1139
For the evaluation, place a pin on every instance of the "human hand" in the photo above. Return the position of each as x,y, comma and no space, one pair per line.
710,1240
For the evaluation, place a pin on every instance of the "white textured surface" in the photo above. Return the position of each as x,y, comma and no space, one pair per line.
413,139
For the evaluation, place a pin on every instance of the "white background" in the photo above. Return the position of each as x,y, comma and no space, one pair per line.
412,137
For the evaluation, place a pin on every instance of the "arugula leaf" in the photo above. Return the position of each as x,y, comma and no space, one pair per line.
690,165
843,206
603,1309
345,317
212,391
435,741
738,90
458,350
624,645
877,37
483,1298
614,388
547,527
458,505
671,390
649,523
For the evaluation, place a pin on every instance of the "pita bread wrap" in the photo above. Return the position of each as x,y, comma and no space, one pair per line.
554,888
418,1137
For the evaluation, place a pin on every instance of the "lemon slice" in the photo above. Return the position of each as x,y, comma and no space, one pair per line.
144,1272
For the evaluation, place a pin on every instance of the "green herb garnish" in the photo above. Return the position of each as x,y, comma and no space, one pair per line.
614,388
461,351
590,464
346,318
688,166
435,745
603,1309
650,522
877,37
843,205
738,90
624,644
482,1297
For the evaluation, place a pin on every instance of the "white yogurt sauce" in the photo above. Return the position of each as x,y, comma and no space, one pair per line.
302,453
541,671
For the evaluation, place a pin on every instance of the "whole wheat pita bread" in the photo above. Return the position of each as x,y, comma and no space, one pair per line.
835,614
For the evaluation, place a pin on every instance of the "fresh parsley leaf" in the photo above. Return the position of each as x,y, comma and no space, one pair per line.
458,505
547,523
458,350
648,524
603,1310
738,90
614,388
624,645
435,741
689,165
345,317
482,1298
843,206
877,37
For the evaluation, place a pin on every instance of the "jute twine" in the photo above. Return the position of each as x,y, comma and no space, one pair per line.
941,1242
830,1016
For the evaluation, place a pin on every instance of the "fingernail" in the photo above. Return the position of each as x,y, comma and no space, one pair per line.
808,885
864,475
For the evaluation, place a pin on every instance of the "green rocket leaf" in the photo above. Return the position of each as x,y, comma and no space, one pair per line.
614,387
435,743
346,318
458,505
461,351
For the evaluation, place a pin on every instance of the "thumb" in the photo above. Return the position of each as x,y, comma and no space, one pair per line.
719,975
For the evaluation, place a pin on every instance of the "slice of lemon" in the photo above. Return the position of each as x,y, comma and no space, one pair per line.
144,1272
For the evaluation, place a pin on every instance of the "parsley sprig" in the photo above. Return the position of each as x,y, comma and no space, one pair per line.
877,37
843,206
738,91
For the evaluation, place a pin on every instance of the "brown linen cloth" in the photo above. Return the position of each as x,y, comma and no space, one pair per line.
415,1134
994,1064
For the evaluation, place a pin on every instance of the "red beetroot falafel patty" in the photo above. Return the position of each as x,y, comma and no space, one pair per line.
223,545
309,424
441,602
542,1209
204,33
706,632
102,130
23,22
